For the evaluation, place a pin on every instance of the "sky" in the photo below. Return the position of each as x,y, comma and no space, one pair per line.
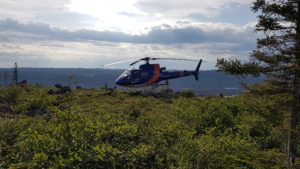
92,33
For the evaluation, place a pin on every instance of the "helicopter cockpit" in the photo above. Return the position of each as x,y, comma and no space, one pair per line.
130,73
130,76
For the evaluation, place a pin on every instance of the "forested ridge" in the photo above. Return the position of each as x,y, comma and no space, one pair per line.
90,128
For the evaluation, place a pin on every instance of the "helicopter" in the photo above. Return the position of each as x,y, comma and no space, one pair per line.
151,74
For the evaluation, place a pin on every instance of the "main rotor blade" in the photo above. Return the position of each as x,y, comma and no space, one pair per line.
134,62
174,59
115,63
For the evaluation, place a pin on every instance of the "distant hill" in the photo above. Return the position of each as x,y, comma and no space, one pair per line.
210,82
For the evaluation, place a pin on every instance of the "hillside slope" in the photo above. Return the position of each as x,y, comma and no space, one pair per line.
99,129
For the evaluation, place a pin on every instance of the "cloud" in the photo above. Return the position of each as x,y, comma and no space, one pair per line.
96,54
53,12
41,45
165,34
236,14
182,9
89,33
26,9
68,20
126,15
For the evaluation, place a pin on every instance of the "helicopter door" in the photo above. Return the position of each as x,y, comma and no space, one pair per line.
135,76
145,75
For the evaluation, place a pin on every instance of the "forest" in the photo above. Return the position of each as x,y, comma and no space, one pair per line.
103,128
100,128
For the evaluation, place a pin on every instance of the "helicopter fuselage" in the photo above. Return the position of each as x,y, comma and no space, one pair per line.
149,74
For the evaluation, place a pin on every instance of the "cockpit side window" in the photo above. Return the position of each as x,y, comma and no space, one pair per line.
144,74
134,74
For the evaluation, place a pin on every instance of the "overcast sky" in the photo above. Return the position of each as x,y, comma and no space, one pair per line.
91,33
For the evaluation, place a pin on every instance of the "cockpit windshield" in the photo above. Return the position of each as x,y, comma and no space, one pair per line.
130,73
126,73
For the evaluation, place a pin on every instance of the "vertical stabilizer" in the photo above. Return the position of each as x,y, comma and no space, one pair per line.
197,69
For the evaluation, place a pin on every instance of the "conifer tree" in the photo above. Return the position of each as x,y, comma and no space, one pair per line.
15,74
277,56
5,78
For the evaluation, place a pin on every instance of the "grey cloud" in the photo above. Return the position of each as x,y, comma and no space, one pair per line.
157,35
182,9
235,13
26,9
66,19
44,31
54,12
189,35
33,4
93,54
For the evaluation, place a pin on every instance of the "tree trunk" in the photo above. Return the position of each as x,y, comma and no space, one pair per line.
292,143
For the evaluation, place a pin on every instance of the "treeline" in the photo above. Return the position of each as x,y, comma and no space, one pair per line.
89,128
9,78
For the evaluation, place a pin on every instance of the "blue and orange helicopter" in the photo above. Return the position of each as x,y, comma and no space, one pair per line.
151,74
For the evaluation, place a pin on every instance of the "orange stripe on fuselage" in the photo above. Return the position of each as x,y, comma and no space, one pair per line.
155,75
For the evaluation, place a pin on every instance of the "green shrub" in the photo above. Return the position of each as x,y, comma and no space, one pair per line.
10,95
87,129
187,94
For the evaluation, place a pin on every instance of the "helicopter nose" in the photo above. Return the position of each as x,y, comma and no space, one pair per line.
118,82
121,82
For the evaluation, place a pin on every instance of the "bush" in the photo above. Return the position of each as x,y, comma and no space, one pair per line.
87,129
10,95
187,94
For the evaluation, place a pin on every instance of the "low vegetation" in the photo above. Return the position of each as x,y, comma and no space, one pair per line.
90,128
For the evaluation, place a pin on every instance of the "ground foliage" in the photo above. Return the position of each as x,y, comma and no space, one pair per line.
104,129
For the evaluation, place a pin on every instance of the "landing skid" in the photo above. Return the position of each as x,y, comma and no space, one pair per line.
156,88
